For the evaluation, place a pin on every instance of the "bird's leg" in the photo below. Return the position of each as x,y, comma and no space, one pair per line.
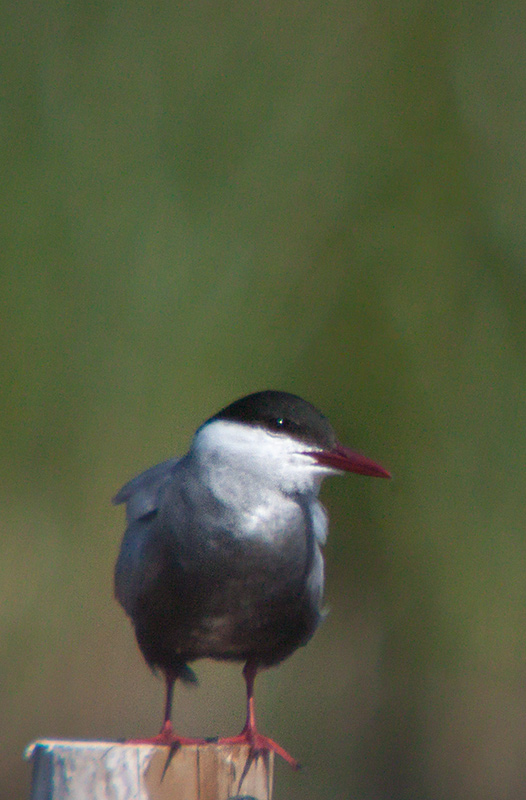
250,735
250,671
166,735
166,728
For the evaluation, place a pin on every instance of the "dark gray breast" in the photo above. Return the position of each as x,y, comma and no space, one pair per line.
195,589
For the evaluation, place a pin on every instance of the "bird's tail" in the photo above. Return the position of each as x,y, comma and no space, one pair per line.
186,674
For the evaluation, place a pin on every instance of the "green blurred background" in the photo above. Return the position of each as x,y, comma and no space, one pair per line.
200,200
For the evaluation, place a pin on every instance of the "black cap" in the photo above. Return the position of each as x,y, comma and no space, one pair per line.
281,412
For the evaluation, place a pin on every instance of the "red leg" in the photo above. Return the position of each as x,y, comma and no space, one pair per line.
166,735
250,735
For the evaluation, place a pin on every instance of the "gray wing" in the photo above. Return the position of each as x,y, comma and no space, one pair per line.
320,521
143,492
143,496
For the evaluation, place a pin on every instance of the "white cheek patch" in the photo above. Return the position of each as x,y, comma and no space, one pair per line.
263,458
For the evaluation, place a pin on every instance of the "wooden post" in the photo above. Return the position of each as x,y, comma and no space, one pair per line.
110,771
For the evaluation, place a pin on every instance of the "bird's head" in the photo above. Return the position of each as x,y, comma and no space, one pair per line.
278,438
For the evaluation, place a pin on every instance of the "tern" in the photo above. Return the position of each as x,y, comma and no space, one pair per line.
221,557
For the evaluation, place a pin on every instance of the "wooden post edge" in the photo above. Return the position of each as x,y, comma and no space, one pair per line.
70,770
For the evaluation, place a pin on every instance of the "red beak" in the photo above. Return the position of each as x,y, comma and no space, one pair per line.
346,460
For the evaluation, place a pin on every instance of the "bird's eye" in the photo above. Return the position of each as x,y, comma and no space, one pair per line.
275,424
282,424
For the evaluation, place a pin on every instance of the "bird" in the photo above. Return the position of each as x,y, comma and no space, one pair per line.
221,557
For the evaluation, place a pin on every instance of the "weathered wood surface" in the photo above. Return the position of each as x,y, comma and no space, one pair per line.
65,770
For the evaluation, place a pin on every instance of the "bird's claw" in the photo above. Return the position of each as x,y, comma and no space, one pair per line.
260,745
